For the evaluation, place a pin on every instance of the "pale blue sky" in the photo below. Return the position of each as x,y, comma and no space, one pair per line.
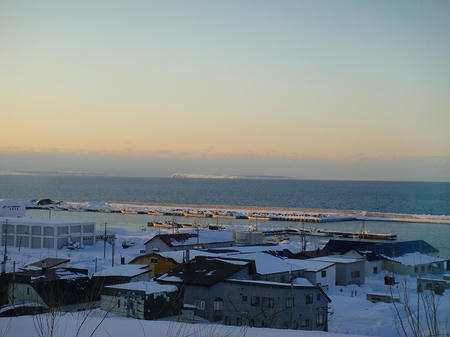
312,84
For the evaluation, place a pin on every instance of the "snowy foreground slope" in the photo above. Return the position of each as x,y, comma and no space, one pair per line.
66,326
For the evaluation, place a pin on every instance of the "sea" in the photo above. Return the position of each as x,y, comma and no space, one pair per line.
373,196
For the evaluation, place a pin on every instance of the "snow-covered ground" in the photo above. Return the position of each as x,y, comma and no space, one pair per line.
351,312
66,326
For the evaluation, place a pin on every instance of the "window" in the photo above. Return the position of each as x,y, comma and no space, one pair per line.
201,305
218,304
28,290
318,296
118,303
255,300
238,321
375,270
244,298
289,302
323,273
305,323
355,274
320,318
267,302
154,260
309,298
416,269
422,268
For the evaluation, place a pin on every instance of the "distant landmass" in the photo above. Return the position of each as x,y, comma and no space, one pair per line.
208,176
48,173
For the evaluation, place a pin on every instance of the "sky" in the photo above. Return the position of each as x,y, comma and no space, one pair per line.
305,89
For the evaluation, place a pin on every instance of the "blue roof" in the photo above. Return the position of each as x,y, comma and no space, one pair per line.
391,249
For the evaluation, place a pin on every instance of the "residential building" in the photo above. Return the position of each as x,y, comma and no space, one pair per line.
157,263
63,289
224,289
274,305
202,239
348,270
142,300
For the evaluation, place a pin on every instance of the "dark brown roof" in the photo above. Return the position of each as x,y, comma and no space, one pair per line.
49,262
205,271
308,254
167,238
152,254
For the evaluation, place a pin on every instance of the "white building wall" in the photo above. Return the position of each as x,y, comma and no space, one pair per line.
44,234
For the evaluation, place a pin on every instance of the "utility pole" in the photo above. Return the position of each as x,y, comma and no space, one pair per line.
14,281
5,238
112,250
104,243
303,237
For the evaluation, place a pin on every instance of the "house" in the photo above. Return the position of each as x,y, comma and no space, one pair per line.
414,264
122,273
202,239
404,257
47,263
373,263
63,289
348,270
273,305
319,273
142,300
157,263
200,279
223,289
42,233
432,283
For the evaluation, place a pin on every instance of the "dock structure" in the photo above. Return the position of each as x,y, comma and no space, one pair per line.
330,233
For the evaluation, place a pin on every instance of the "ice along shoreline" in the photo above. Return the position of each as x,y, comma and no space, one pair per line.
251,212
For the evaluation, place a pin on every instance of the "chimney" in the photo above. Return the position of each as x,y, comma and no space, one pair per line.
122,260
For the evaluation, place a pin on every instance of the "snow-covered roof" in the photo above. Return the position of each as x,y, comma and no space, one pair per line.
193,238
309,265
150,287
302,281
293,247
46,222
415,258
177,255
123,270
271,283
171,278
335,259
266,263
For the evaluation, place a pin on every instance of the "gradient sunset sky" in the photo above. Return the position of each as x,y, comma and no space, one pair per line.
305,89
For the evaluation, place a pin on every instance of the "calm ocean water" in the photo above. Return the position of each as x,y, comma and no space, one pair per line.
398,197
